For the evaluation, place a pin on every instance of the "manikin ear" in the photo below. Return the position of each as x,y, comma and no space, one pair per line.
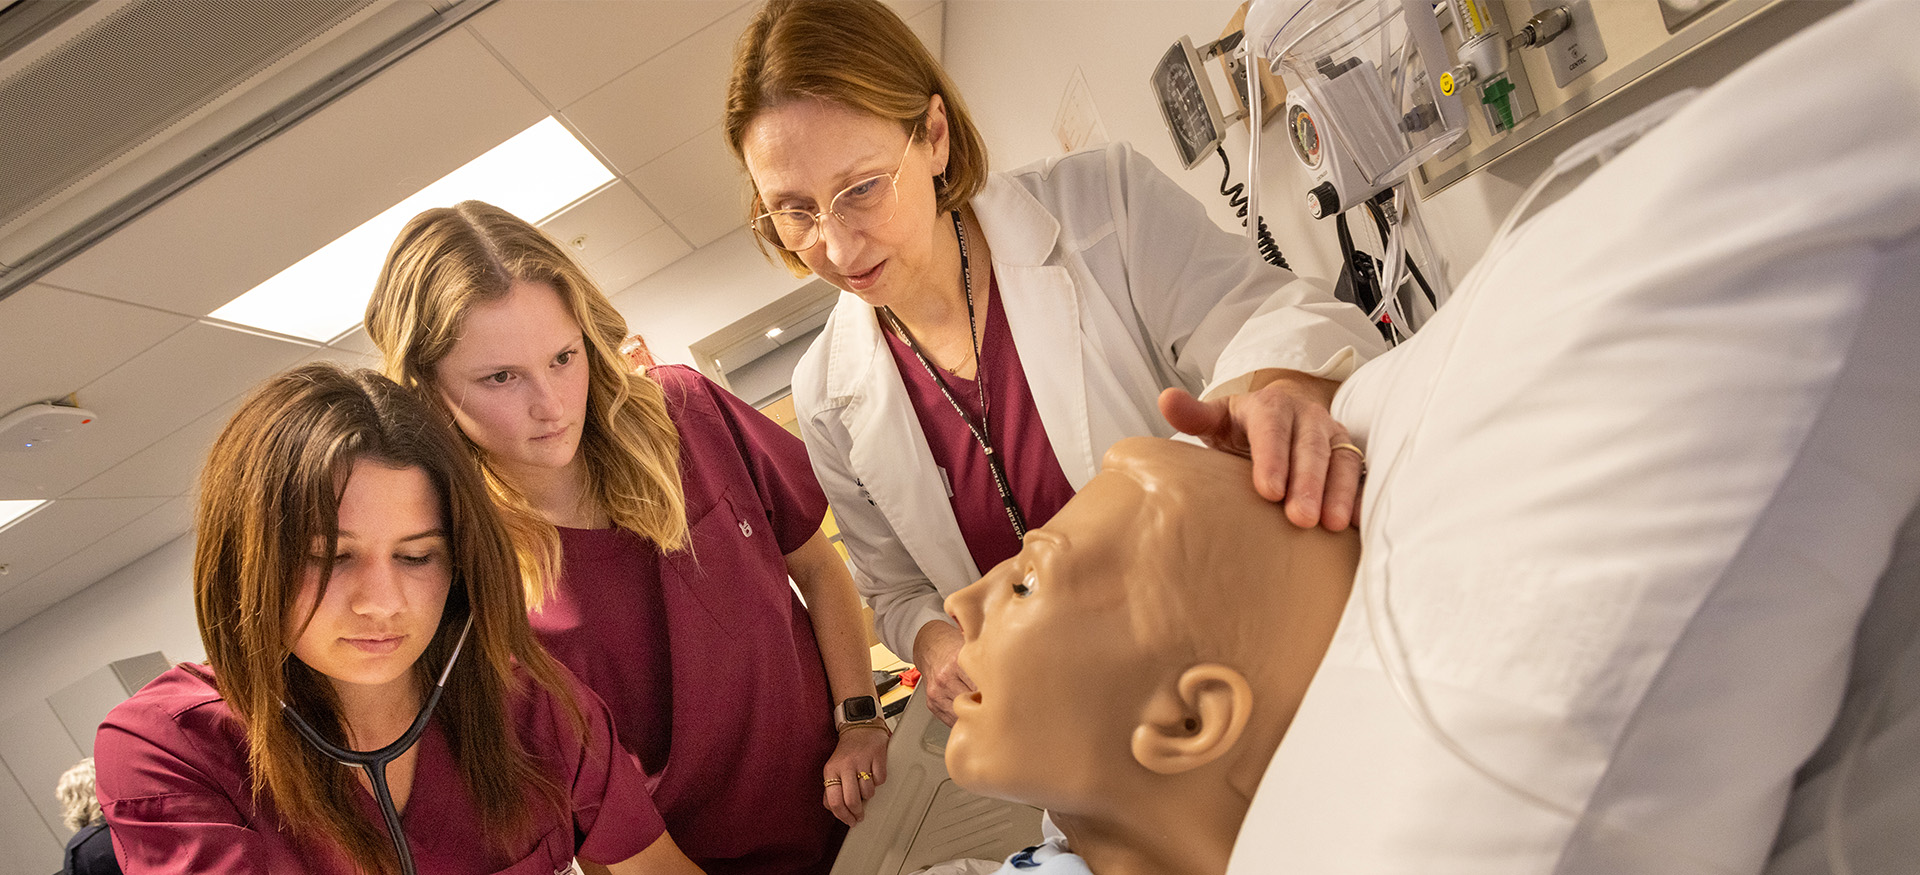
1196,721
937,133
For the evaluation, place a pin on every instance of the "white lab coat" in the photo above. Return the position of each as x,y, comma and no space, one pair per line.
1115,285
1631,490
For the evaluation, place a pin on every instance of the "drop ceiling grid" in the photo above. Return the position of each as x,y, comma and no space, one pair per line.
54,341
114,550
412,124
569,50
58,531
664,102
148,398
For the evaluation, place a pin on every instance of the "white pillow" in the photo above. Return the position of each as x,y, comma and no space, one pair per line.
1630,492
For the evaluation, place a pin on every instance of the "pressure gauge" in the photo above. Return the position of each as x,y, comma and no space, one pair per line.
1304,134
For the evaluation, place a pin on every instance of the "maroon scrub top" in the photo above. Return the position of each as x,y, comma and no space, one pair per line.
1019,438
706,657
172,777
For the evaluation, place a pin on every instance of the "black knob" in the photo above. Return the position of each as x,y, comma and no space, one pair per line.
1323,201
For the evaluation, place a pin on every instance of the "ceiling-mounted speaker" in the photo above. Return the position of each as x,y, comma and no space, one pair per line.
37,426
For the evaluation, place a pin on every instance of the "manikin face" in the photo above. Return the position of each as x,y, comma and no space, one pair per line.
391,573
516,381
1059,671
803,153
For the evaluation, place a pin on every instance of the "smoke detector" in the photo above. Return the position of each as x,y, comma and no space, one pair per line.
37,426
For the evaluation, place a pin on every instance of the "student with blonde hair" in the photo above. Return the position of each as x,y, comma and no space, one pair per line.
347,558
660,519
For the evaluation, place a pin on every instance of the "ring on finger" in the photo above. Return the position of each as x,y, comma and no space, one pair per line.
833,782
1356,451
866,776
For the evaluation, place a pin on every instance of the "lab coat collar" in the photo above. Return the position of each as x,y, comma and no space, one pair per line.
1021,233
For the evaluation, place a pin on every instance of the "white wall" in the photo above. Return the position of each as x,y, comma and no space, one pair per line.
144,607
701,294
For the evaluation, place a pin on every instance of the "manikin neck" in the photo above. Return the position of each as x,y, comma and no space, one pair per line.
1167,831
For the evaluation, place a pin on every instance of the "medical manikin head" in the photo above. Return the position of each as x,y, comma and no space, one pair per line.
1139,660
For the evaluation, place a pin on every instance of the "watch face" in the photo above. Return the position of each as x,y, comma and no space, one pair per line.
859,709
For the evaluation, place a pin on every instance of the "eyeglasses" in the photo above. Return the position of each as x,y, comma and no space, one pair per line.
869,203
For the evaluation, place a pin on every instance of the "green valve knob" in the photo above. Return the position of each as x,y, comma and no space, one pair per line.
1495,96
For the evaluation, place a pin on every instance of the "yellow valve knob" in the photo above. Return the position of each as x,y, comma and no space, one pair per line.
1447,84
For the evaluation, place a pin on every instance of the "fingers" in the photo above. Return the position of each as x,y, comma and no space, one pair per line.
940,700
1204,419
845,800
1341,506
1307,477
1268,418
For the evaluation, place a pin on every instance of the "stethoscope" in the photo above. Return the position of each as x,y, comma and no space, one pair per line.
374,762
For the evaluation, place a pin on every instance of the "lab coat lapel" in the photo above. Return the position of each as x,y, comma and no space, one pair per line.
889,452
1043,311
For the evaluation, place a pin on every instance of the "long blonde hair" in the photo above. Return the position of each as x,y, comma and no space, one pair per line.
445,261
860,55
269,493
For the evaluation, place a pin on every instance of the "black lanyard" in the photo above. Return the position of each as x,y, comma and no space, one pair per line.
979,429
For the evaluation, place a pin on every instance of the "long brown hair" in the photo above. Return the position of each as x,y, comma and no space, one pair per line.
269,494
445,261
859,54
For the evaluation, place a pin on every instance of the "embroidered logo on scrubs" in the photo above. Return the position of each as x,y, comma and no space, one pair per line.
746,528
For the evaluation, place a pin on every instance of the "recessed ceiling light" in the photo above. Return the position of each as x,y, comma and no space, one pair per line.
15,510
540,170
773,332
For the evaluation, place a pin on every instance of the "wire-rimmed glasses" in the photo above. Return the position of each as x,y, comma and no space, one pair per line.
869,203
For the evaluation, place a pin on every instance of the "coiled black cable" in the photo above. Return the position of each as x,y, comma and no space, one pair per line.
1237,198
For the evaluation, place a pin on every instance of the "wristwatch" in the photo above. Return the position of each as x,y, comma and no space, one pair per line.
859,709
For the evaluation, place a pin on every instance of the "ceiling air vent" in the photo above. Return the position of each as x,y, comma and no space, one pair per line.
108,107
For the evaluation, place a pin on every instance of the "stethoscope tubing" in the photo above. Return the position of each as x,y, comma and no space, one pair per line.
375,762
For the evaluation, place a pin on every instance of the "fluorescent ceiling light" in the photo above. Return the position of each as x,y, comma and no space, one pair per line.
773,332
12,511
540,170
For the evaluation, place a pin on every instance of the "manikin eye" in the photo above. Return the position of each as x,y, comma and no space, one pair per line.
1026,585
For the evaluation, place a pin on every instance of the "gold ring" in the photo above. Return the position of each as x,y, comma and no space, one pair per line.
866,776
833,782
1356,451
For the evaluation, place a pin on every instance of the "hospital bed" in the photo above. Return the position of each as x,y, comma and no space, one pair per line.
920,817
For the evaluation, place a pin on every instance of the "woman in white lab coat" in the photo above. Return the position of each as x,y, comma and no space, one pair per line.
1002,330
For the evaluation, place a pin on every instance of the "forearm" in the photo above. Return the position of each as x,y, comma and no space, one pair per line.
834,609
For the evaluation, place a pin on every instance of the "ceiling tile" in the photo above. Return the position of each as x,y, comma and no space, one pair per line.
356,340
152,396
427,115
664,102
568,49
53,341
633,262
113,551
168,468
62,529
710,221
608,219
346,358
692,175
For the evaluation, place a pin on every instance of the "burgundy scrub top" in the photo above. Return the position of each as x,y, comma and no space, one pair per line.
1019,439
706,657
172,777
